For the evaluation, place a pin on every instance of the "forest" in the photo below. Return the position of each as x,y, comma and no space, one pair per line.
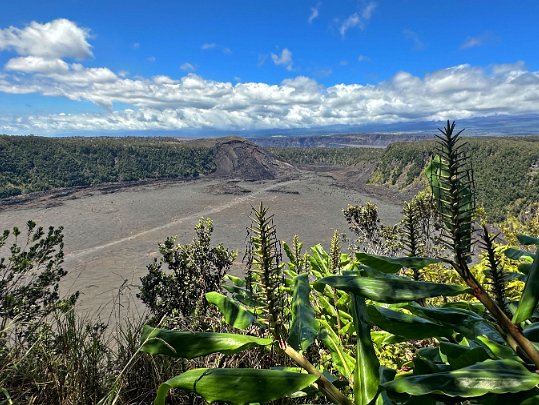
506,170
31,163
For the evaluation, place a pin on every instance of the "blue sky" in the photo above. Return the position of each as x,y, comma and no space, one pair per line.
74,66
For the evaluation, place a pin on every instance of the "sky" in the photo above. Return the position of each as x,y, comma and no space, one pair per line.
117,67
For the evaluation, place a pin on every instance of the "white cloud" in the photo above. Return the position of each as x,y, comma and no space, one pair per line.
162,102
36,64
413,37
135,45
358,19
284,59
188,67
363,58
315,11
56,39
479,40
212,45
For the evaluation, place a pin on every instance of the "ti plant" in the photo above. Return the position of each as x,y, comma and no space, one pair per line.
344,305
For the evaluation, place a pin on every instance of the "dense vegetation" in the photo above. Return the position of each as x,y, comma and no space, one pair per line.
402,318
328,156
506,170
33,163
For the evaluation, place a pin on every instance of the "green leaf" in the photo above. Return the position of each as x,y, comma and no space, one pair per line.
189,345
391,289
406,325
517,254
498,350
343,362
318,261
490,376
381,338
234,313
304,328
459,356
532,332
236,385
460,320
529,298
527,240
388,264
367,372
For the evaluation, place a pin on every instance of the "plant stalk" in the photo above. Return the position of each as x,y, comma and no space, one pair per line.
524,346
336,396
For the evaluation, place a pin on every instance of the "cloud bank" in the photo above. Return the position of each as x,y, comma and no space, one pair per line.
193,102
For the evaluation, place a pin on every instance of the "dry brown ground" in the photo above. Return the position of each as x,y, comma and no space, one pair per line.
111,232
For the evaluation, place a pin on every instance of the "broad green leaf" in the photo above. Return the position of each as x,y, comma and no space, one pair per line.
498,350
381,338
318,261
406,325
426,366
528,240
391,289
189,345
464,321
530,397
530,297
234,313
459,356
366,374
525,268
386,375
343,362
388,264
303,328
236,386
517,254
430,353
490,376
532,332
240,282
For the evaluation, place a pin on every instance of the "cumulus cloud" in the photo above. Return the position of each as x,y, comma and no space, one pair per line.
315,11
161,102
193,102
36,64
56,39
284,59
358,19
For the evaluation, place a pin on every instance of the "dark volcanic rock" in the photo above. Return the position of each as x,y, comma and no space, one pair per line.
236,157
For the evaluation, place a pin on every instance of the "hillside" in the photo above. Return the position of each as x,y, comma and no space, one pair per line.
506,170
29,164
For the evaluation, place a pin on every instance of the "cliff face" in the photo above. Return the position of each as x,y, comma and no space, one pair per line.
236,157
